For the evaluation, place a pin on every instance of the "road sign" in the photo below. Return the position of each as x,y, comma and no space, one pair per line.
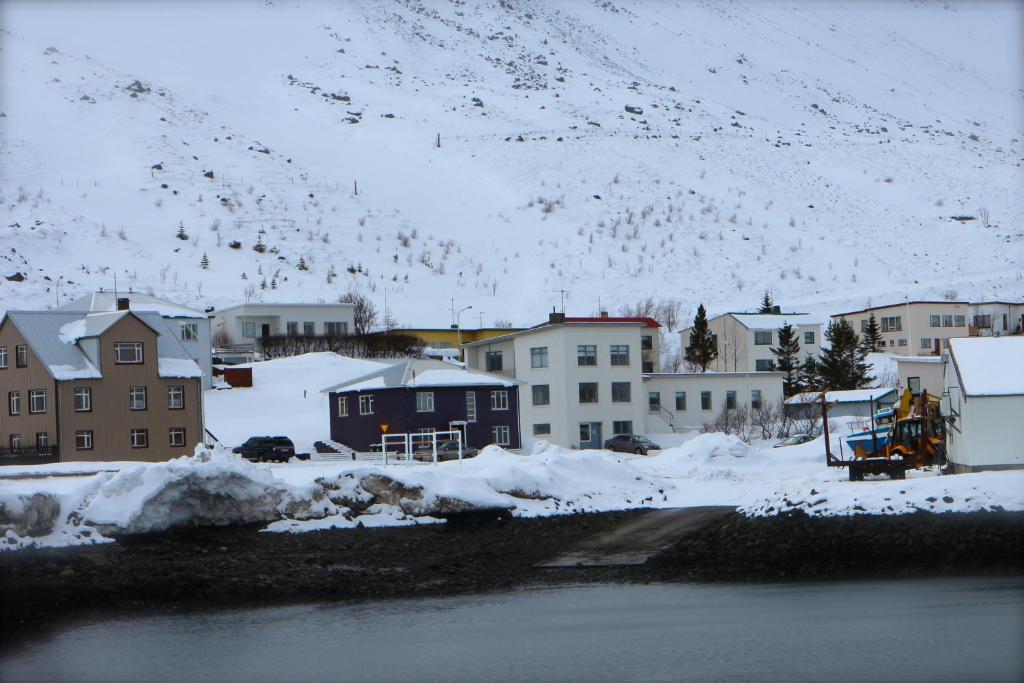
384,427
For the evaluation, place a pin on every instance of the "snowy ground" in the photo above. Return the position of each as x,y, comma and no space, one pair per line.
709,469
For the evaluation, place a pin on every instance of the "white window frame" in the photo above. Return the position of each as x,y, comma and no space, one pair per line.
133,395
83,440
42,440
424,401
366,404
138,437
538,357
121,347
15,440
14,403
961,320
470,406
3,357
934,321
21,356
586,352
343,406
86,394
34,396
189,331
892,323
501,434
926,342
499,400
179,390
172,432
615,351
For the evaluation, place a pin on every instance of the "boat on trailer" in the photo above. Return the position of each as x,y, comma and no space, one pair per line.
871,436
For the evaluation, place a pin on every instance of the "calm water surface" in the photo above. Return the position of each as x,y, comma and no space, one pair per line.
931,630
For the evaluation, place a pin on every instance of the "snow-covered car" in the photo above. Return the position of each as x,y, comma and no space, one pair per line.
261,448
794,440
446,450
631,443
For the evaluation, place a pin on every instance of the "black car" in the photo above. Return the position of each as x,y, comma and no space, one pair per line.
446,450
261,448
631,443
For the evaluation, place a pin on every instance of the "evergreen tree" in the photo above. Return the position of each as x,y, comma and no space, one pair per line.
701,350
273,282
787,359
259,247
182,235
843,365
872,335
302,264
205,263
263,283
767,305
808,380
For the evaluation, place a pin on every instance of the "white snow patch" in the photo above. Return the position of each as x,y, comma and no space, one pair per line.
178,367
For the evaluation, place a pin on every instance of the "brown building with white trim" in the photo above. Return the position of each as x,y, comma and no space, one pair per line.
100,386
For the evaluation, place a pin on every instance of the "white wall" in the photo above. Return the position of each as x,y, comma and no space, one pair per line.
198,349
929,372
278,316
989,431
769,383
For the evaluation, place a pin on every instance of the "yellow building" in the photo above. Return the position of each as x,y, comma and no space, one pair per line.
452,337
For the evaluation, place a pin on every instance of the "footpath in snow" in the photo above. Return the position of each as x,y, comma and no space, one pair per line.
218,488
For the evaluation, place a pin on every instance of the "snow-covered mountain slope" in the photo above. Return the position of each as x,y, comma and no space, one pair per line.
820,149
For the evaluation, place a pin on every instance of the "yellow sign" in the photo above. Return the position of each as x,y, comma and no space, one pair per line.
384,427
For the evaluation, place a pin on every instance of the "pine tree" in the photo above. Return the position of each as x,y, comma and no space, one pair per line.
767,305
302,264
872,335
702,349
182,235
263,283
843,365
259,247
787,359
205,263
808,380
273,282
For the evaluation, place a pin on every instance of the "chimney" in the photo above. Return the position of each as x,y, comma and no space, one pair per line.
555,318
122,303
777,310
604,314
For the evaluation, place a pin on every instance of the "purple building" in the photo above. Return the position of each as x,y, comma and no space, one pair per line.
425,396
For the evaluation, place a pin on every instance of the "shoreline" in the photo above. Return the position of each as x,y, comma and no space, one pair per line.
240,567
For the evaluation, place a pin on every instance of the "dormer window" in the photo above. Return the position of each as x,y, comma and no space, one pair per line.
128,352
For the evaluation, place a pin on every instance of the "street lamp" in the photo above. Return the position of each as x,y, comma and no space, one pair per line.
458,327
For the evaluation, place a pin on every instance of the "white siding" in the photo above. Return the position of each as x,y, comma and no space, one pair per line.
743,383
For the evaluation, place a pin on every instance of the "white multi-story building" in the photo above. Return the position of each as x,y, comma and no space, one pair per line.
680,400
996,318
190,326
246,323
745,340
584,376
914,328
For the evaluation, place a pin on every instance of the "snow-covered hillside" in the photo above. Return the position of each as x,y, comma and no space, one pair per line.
821,149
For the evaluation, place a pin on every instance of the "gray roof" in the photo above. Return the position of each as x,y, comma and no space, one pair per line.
417,372
107,301
54,335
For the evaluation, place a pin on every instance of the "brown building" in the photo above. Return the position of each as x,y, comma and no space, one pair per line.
98,386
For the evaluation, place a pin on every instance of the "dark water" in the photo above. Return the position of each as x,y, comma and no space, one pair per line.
934,630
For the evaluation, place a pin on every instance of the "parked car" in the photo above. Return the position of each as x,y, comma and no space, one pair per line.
631,443
446,450
261,448
794,440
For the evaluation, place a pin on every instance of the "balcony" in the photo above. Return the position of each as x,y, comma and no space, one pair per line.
29,455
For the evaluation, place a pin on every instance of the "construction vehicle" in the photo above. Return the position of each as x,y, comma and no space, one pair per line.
908,435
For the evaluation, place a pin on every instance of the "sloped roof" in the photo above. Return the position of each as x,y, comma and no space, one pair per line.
989,366
107,301
772,321
848,396
421,373
54,335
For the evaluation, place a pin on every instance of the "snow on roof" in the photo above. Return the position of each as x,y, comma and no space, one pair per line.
421,373
989,366
178,367
107,301
848,396
773,321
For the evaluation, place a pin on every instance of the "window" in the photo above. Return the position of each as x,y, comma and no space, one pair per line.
3,357
730,400
646,342
926,342
335,329
960,321
947,321
83,440
584,432
542,429
755,399
137,398
1006,320
892,342
622,392
891,323
541,394
499,400
680,400
622,427
249,330
983,321
914,384
763,337
291,329
127,352
501,435
366,405
586,354
189,331
470,406
343,406
140,438
654,401
714,341
14,402
539,357
424,401
42,440
176,436
620,354
588,392
902,342
809,337
934,320
494,361
175,397
15,440
37,401
764,365
864,325
83,399
705,400
308,329
21,352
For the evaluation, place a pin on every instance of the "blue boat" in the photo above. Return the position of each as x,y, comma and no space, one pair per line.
865,441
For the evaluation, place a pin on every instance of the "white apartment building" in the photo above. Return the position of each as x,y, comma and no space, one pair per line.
745,340
190,326
677,401
584,376
246,323
996,318
914,328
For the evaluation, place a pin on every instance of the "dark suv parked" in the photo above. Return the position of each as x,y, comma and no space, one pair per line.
260,448
631,443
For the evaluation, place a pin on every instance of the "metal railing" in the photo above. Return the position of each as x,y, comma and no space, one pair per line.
29,455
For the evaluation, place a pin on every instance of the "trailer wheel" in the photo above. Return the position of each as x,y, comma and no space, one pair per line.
898,474
856,474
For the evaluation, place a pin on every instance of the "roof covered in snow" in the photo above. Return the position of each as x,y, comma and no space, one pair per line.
54,337
773,321
415,373
849,396
989,366
107,301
